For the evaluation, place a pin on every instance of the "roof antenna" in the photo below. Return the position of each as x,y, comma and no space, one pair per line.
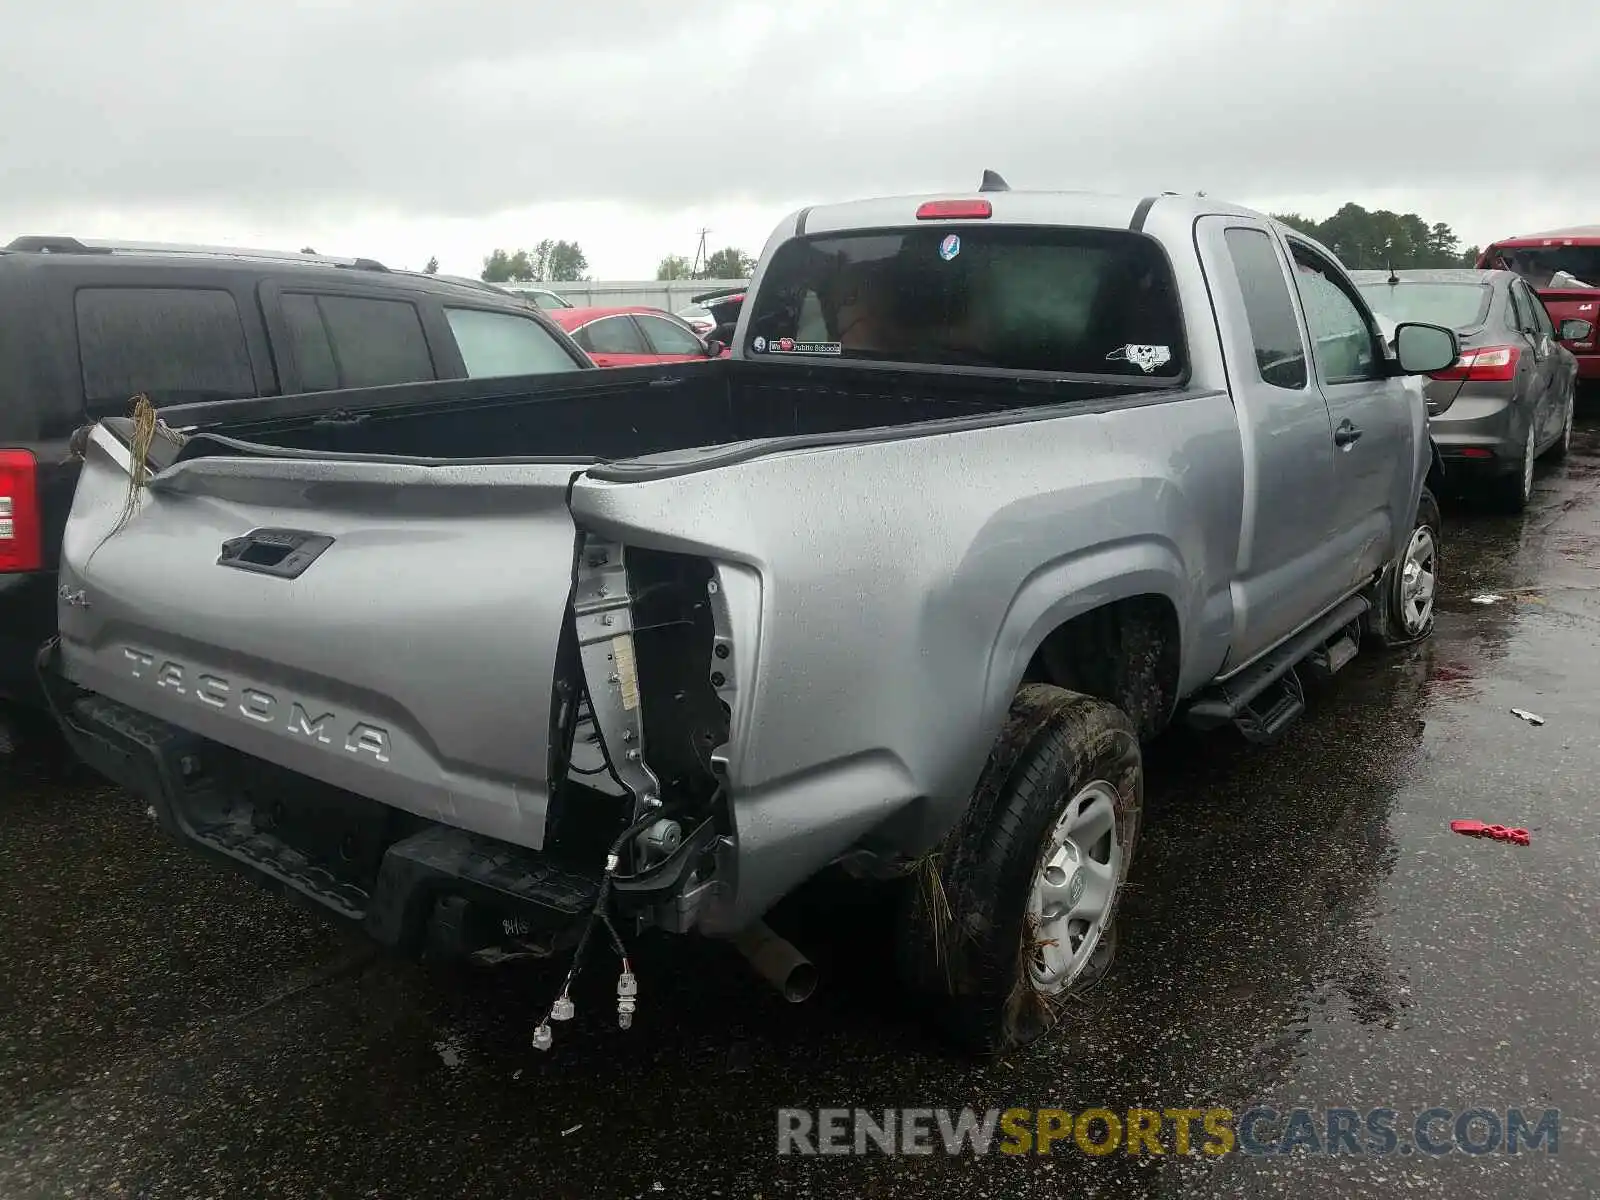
993,183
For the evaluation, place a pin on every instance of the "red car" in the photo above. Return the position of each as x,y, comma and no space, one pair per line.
633,337
1563,267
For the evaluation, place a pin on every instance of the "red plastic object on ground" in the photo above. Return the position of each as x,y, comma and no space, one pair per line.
1499,833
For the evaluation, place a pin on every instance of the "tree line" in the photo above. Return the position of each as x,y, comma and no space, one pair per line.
548,262
1363,241
553,261
1372,241
727,263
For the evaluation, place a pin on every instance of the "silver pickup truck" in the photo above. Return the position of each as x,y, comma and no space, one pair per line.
993,488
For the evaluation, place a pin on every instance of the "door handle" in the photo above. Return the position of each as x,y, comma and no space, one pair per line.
1346,435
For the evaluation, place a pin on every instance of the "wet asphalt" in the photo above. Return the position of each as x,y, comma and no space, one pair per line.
1302,930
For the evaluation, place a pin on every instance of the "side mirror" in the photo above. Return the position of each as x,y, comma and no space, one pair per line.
714,348
1424,349
1574,329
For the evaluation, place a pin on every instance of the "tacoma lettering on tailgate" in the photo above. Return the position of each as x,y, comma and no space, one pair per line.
255,703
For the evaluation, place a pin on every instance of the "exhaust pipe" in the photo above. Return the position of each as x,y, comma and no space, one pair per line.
778,962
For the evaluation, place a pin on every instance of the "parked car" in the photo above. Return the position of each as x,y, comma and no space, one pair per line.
714,314
1563,267
539,297
85,325
1509,399
902,584
633,336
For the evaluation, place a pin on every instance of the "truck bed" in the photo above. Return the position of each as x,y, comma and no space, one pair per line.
629,413
405,594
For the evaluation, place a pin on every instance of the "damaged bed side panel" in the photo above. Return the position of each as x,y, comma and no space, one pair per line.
879,603
410,659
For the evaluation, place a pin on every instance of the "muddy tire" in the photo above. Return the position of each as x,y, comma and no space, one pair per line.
1404,614
1044,848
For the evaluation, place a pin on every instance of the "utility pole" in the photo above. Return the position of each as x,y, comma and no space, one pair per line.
702,256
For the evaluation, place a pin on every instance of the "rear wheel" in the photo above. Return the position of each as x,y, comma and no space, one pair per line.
1016,913
1564,443
1513,491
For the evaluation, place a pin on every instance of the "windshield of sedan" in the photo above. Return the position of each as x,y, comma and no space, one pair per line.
1071,301
1456,305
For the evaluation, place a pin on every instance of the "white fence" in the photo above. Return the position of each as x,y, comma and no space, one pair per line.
668,294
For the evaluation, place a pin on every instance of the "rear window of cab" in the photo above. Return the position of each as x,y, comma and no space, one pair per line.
1065,301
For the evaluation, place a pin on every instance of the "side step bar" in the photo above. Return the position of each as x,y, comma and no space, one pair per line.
1264,699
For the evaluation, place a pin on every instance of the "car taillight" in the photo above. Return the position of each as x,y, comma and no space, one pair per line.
956,210
1485,364
19,513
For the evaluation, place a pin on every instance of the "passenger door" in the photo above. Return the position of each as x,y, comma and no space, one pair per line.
1373,420
1541,336
1288,570
673,342
615,342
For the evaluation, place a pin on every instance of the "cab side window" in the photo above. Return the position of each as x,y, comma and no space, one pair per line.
1274,329
1345,344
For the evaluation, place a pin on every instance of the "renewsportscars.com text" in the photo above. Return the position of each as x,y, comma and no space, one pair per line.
1173,1131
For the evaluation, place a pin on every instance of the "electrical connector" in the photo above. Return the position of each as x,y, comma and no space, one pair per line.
543,1038
562,1009
627,990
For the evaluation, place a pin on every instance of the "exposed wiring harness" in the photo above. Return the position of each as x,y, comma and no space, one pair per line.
562,1008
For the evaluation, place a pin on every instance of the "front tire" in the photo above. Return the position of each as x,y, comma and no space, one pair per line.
1015,913
1405,604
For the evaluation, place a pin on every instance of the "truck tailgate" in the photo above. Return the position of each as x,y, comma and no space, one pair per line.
405,653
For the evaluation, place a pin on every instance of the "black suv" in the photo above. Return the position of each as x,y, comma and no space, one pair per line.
86,326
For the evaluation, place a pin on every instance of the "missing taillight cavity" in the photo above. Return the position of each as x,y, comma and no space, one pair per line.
20,542
684,719
1483,364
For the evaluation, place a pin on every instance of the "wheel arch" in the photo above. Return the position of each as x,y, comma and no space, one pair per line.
1071,621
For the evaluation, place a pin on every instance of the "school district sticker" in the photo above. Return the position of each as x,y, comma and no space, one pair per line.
950,247
759,345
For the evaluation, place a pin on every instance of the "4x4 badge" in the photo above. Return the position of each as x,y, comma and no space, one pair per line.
76,599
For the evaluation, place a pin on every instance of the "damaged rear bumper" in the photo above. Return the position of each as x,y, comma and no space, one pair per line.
407,882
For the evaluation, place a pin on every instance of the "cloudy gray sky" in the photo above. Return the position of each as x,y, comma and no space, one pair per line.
404,128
